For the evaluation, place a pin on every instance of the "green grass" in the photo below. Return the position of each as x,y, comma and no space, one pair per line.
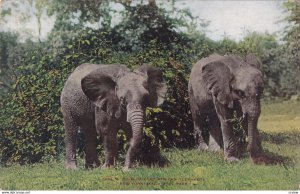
188,170
280,117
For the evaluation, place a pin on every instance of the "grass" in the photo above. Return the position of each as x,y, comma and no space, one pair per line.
280,117
188,170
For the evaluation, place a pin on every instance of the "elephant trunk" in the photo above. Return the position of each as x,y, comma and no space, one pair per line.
254,146
135,117
251,109
137,123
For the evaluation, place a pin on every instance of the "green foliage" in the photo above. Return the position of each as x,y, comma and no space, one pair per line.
31,123
290,52
73,17
293,7
280,66
85,11
144,23
240,133
227,46
8,42
265,47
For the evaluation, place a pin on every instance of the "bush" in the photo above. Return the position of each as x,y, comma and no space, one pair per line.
31,122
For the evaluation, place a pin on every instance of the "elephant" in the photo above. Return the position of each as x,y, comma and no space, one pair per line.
99,99
218,86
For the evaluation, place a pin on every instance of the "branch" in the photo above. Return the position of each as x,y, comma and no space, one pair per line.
125,3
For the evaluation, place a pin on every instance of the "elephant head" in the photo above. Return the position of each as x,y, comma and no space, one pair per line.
237,81
129,92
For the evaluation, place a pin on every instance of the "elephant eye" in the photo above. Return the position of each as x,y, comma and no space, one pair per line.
257,95
104,106
146,100
240,93
122,101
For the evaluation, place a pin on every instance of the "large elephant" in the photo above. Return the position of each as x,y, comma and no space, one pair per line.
218,86
104,98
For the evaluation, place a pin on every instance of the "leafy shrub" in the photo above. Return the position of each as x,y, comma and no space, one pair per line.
31,123
240,133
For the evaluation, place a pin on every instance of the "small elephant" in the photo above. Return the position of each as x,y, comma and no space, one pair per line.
100,99
218,86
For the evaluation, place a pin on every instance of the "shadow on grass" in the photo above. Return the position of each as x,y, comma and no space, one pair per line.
271,158
156,160
291,137
152,158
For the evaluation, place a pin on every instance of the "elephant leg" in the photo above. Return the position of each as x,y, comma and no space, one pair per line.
110,148
199,134
131,153
225,116
199,123
215,138
91,157
71,130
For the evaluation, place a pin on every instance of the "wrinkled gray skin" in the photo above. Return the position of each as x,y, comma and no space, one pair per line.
218,85
104,98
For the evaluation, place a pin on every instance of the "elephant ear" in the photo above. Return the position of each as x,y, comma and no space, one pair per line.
100,89
156,86
217,78
252,60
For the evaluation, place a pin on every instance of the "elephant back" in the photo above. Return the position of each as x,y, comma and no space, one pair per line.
72,97
204,61
232,61
86,68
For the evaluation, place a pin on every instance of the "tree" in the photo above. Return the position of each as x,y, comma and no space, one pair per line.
8,42
73,16
143,23
291,50
267,49
22,12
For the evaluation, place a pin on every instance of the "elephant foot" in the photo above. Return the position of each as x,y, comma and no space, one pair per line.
126,169
106,166
71,165
259,160
128,166
214,147
202,146
92,164
232,159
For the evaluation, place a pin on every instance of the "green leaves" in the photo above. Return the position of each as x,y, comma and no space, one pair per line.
31,121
